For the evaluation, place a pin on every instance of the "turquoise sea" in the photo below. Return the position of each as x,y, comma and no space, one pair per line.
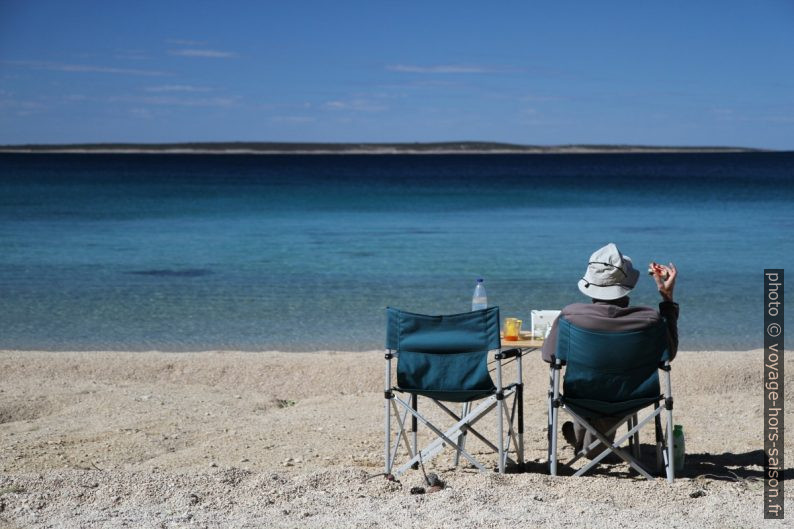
301,253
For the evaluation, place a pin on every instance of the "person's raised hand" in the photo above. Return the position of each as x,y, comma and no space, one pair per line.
664,276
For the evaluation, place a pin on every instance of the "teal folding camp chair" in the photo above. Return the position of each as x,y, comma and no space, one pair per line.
612,374
445,359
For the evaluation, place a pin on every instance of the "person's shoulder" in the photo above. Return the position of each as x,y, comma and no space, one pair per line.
611,311
577,308
607,317
641,309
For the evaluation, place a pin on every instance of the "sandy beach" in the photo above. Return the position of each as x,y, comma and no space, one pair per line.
228,439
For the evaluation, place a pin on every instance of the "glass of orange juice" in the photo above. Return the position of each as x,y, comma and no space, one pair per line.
512,329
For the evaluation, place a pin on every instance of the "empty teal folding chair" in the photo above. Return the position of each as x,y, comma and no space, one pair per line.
445,359
612,374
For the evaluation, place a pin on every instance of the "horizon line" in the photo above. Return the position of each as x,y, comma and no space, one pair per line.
298,147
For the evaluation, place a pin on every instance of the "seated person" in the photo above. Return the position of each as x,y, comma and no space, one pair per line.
608,280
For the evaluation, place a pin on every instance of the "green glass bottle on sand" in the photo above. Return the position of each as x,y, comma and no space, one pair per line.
679,450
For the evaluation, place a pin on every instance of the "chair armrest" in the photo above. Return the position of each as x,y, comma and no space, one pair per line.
556,363
509,353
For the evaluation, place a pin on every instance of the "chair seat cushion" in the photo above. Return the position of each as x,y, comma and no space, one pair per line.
449,396
599,408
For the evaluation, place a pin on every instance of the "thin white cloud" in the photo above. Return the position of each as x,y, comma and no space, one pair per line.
177,88
778,119
82,68
428,82
20,104
284,107
176,101
143,113
725,114
204,53
540,98
360,105
293,119
743,115
186,42
132,55
439,68
20,107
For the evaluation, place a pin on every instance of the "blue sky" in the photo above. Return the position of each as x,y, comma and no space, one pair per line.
662,73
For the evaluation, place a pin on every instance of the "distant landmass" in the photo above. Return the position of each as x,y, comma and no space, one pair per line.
462,147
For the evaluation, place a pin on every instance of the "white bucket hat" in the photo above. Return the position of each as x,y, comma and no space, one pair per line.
610,274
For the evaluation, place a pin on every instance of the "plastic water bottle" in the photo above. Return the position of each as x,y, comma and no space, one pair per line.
679,448
479,301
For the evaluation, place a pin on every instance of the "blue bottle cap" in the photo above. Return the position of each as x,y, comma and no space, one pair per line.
479,280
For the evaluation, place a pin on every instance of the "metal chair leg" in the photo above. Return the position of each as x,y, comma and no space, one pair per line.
387,419
630,425
414,428
462,439
668,396
387,428
554,408
670,461
659,440
635,439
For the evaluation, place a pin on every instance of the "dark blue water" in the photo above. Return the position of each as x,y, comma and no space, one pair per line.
193,252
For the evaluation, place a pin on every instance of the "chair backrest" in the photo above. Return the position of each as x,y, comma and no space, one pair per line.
610,372
446,356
